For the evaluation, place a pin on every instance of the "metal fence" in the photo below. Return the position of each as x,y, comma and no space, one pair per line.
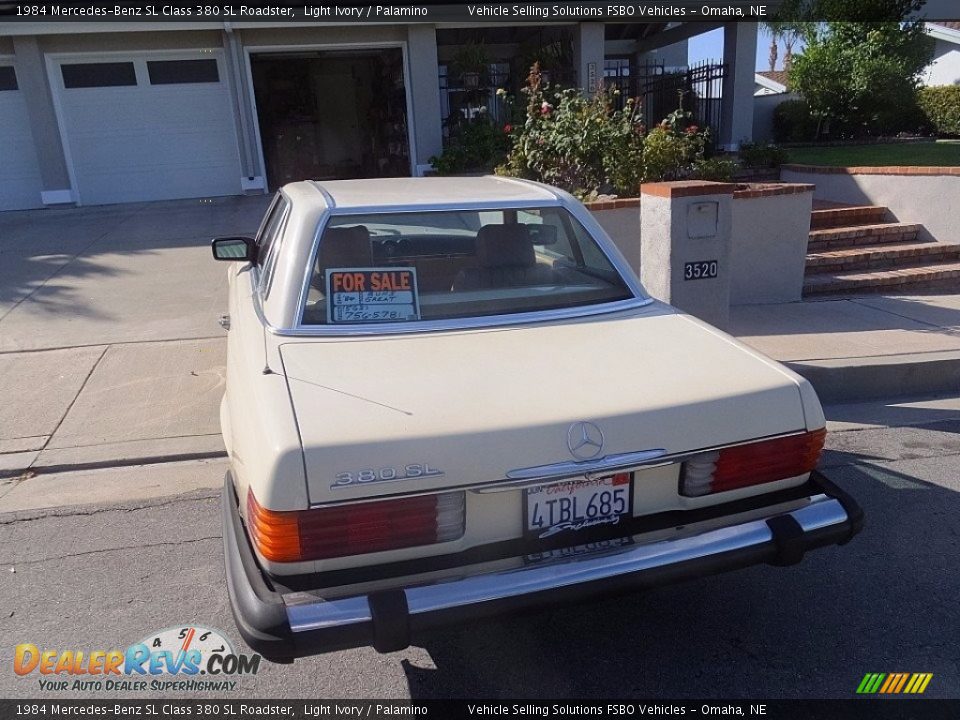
662,89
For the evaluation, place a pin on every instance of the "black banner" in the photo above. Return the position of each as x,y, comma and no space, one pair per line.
429,11
891,709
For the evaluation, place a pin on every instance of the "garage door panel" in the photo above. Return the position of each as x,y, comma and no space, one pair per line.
152,142
186,148
20,183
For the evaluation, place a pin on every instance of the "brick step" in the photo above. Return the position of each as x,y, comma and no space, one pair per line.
847,216
886,256
877,280
845,237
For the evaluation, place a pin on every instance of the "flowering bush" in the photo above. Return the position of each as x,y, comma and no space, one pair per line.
580,144
586,146
674,148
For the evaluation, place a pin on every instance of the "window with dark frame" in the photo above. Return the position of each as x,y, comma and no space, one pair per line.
8,78
93,75
180,72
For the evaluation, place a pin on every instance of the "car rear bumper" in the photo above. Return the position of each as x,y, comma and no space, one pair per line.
281,630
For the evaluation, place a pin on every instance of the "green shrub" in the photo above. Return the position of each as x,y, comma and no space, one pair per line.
757,155
588,147
793,122
716,169
941,106
475,146
582,145
673,148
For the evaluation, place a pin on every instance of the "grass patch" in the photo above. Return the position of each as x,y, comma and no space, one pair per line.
941,153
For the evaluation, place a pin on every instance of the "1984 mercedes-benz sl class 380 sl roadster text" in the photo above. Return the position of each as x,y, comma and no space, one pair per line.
450,397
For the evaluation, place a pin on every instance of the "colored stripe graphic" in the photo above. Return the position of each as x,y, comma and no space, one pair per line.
894,683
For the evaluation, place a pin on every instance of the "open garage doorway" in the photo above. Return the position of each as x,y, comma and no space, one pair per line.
332,114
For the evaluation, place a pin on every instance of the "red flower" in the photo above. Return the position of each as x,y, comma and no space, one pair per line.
692,130
508,128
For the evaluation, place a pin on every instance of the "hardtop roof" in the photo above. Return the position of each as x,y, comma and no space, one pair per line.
428,192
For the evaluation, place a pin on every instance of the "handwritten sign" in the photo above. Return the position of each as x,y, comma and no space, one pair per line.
368,295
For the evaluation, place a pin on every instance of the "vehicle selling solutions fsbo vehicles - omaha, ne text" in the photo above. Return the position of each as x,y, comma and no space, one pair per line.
450,397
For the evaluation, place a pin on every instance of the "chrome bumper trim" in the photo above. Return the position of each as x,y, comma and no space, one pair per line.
821,512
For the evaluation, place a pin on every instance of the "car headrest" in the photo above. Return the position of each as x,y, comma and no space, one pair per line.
345,247
505,245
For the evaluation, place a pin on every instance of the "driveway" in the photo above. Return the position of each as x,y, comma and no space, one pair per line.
115,274
110,349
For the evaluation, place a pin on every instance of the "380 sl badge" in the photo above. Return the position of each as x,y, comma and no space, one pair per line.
387,474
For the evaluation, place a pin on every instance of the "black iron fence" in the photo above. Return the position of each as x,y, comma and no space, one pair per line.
661,90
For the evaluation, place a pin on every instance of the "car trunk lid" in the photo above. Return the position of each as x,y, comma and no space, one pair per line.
404,413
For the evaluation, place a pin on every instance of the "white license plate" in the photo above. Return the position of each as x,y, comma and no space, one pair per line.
566,553
573,505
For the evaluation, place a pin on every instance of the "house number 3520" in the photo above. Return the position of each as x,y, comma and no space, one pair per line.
700,270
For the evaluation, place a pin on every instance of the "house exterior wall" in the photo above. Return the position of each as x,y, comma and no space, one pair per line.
44,126
945,68
34,47
763,109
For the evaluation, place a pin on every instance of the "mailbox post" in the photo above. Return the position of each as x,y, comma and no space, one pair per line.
685,245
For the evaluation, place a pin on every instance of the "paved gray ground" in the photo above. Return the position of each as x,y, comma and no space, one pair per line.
112,274
109,342
103,576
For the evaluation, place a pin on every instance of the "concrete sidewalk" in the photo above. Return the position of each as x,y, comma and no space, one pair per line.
862,347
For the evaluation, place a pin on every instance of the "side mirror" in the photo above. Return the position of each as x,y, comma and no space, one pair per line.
542,234
234,248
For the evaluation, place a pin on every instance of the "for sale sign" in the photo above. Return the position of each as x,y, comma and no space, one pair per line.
368,295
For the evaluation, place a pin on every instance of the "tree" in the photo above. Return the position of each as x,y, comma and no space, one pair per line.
861,77
790,32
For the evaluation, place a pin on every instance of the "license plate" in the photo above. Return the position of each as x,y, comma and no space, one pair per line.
570,506
590,548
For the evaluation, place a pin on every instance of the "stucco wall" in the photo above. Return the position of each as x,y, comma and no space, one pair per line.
768,244
763,107
930,199
623,226
110,42
945,68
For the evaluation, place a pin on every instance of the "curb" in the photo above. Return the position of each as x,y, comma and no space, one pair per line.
35,470
887,376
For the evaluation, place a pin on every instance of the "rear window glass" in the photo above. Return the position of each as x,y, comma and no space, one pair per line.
403,267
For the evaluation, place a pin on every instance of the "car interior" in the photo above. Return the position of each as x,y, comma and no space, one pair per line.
498,259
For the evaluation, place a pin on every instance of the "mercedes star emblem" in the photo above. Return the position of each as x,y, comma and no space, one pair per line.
585,440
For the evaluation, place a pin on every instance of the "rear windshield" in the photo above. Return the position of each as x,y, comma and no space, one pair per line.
405,267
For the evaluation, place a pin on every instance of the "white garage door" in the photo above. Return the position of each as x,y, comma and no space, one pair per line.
147,127
20,184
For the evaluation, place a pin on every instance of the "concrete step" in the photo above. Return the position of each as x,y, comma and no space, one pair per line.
847,216
845,237
866,281
885,256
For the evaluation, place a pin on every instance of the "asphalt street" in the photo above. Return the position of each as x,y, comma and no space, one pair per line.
104,576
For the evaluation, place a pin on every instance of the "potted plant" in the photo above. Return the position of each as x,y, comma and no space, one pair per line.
470,64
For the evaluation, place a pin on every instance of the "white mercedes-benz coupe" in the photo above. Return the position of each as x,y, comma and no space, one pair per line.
451,397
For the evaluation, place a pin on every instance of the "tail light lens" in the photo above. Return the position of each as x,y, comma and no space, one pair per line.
355,529
751,464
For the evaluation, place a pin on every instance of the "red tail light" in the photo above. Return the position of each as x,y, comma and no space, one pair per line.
752,464
354,529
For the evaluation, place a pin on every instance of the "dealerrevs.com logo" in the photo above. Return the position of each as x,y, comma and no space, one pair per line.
178,659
